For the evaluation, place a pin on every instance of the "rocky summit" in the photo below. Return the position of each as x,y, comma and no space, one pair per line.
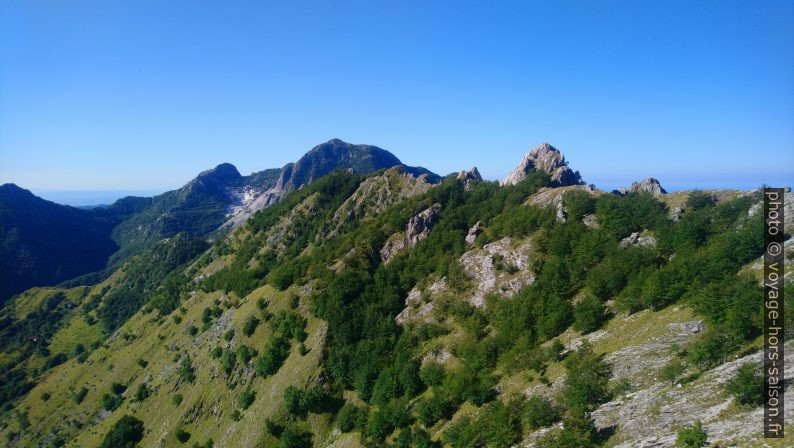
649,185
547,159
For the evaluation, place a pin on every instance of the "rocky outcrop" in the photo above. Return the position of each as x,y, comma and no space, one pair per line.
473,232
553,197
636,240
417,310
549,160
468,177
374,195
416,230
501,266
649,185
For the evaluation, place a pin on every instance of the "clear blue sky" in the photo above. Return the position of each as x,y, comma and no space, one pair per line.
121,95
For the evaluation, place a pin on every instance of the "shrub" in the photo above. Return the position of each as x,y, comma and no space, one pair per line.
182,435
692,437
437,407
672,371
747,385
186,371
142,393
588,314
228,361
587,379
177,399
249,325
432,374
229,335
540,412
275,353
125,433
246,398
350,417
110,402
80,395
245,353
294,437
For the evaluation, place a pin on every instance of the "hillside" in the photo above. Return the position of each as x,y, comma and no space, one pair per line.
46,243
384,309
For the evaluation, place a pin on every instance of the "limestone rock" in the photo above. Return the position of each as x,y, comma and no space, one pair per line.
501,266
417,229
636,240
468,177
549,160
553,197
649,185
473,232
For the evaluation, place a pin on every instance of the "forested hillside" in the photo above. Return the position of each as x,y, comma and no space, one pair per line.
461,314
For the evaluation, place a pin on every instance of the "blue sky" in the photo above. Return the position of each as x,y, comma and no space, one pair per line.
142,95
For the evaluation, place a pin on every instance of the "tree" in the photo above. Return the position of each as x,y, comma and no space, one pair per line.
294,437
672,371
125,433
747,385
692,436
588,314
540,412
587,380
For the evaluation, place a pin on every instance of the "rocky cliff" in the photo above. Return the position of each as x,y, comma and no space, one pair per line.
549,160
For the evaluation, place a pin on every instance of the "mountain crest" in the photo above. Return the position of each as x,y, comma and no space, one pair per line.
547,159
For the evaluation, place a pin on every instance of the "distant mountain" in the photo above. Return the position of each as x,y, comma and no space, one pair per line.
43,243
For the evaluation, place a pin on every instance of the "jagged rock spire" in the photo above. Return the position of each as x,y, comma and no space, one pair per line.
549,160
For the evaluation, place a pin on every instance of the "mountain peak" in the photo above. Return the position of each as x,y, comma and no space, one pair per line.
548,159
223,172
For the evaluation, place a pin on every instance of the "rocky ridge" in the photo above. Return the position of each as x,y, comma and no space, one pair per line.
549,160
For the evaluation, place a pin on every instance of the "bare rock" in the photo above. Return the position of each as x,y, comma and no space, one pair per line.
501,266
590,221
636,240
649,185
473,232
468,177
416,230
549,160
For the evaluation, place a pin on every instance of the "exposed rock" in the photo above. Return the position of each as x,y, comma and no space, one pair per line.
468,177
649,185
499,266
417,229
263,189
549,160
636,240
473,232
415,310
590,221
374,195
553,197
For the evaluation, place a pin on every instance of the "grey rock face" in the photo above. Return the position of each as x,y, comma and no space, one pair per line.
549,160
417,229
553,197
468,177
636,240
473,232
501,266
649,185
